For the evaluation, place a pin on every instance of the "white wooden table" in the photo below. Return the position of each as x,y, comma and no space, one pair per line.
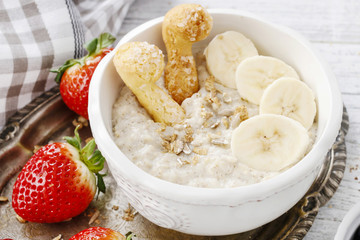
333,26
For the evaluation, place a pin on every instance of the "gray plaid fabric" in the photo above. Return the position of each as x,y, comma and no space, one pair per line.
37,35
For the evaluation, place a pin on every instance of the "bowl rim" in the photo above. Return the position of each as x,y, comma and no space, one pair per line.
184,193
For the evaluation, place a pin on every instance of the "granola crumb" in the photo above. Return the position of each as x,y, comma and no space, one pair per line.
172,145
220,142
169,138
225,122
205,124
211,98
115,207
215,124
211,123
242,110
200,151
20,219
226,97
188,134
182,162
216,103
177,146
94,216
187,149
129,213
235,120
195,159
205,114
209,83
166,146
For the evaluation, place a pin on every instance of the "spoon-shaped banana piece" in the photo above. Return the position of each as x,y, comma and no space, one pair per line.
140,65
183,26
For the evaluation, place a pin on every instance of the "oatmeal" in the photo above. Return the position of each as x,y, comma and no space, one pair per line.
196,152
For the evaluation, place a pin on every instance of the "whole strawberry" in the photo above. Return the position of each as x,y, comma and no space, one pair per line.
58,182
75,75
100,233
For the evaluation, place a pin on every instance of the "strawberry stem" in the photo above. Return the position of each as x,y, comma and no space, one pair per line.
93,47
74,141
129,235
92,158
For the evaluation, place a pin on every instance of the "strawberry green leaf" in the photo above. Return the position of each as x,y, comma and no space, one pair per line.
87,151
100,183
105,40
97,44
60,71
96,162
58,77
72,142
91,46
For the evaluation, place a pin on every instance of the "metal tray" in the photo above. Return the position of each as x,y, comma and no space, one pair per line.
47,118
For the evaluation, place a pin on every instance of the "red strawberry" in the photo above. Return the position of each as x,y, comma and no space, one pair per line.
75,75
99,233
58,182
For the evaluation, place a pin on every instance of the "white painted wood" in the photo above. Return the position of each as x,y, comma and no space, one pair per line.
333,26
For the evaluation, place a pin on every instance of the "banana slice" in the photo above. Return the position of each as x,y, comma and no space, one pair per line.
254,74
225,52
269,142
291,98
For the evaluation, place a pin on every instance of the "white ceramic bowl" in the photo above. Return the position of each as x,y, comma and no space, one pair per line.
219,211
349,224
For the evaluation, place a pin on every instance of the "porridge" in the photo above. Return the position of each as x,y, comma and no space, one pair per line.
206,145
196,153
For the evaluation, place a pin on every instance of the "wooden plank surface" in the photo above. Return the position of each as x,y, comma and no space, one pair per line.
333,26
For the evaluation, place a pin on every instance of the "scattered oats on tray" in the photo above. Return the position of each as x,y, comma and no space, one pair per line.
4,199
129,213
94,216
20,219
58,237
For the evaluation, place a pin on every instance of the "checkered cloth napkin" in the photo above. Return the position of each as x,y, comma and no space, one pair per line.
37,35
